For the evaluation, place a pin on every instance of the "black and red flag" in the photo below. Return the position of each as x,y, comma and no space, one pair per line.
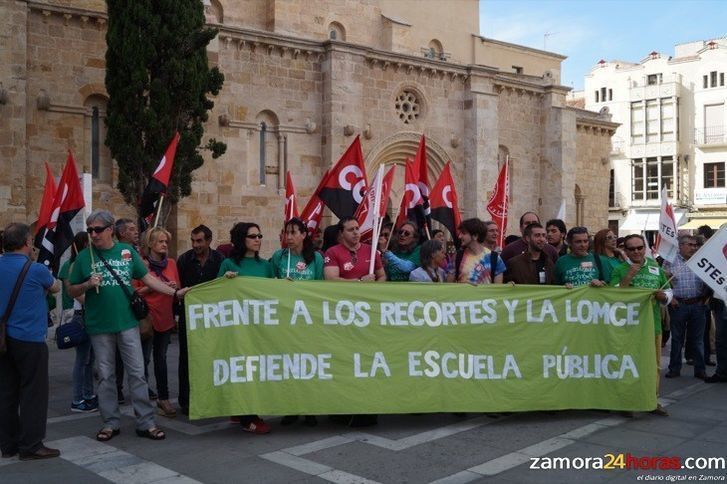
445,204
346,183
313,211
67,202
158,184
421,171
46,206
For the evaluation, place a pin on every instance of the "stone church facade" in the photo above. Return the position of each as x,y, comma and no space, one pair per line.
302,79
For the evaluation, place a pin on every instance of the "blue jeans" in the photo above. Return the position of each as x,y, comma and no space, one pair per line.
83,372
129,345
689,317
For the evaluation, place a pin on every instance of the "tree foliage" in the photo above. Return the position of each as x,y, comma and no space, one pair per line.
158,80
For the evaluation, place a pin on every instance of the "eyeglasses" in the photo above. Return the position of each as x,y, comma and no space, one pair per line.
610,237
690,244
633,249
354,259
97,230
254,236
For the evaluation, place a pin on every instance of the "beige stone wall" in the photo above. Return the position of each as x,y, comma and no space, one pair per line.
592,172
504,56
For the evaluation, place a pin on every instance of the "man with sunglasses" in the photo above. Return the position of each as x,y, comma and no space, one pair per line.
580,267
404,258
688,310
645,273
99,272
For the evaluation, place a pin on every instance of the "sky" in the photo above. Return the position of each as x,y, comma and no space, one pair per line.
589,30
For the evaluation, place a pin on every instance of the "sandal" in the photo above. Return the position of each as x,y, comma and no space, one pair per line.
106,434
154,433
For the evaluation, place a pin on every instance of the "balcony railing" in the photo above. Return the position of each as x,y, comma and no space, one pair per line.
711,135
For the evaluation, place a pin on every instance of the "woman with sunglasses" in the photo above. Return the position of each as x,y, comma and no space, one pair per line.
404,258
644,272
245,260
604,247
299,261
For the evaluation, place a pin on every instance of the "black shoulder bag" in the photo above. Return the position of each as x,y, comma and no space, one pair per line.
11,304
137,303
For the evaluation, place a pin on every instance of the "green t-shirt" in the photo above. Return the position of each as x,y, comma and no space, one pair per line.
394,273
299,270
609,264
650,276
63,276
578,271
248,267
109,310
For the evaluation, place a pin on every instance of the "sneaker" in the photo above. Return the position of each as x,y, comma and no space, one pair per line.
93,400
257,426
84,407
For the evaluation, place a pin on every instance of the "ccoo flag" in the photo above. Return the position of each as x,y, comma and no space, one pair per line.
159,182
445,208
344,186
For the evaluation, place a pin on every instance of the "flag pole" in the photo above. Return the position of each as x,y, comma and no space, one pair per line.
159,210
290,216
377,216
395,218
90,252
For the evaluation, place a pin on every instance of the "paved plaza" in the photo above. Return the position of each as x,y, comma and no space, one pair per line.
441,448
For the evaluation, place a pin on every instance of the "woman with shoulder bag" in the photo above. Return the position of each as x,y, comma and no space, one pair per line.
154,249
84,398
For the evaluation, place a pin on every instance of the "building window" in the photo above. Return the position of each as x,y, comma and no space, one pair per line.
704,82
610,94
637,122
714,175
99,156
650,175
713,79
721,79
517,69
596,96
336,31
652,79
407,106
667,120
652,120
603,94
612,189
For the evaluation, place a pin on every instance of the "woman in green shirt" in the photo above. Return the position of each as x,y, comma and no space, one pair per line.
604,247
245,260
299,261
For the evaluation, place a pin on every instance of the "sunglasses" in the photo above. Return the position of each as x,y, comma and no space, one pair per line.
354,259
610,237
632,249
97,230
254,236
405,233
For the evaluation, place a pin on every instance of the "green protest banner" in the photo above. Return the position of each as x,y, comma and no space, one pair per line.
278,347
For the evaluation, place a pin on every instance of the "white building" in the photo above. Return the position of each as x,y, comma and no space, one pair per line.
672,133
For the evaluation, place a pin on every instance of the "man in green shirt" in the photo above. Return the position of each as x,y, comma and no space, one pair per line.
580,267
111,323
645,273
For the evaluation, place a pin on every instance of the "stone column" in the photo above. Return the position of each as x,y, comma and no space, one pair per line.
480,146
558,164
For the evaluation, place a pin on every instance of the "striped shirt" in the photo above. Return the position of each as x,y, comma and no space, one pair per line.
686,284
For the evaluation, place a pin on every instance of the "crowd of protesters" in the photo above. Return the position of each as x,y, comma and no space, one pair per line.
111,260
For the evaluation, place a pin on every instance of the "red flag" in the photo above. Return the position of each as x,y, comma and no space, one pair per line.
499,201
411,203
313,211
445,203
421,171
291,203
67,202
365,214
46,206
159,181
346,182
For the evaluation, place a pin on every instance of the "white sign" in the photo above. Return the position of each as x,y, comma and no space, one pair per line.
710,196
710,263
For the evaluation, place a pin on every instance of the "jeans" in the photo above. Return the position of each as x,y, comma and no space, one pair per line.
146,347
83,372
161,343
687,317
129,345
